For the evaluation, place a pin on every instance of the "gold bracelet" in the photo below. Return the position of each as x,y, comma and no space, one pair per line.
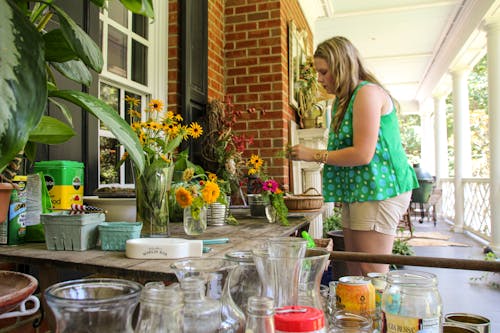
321,156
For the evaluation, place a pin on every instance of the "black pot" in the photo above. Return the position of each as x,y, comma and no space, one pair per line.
339,268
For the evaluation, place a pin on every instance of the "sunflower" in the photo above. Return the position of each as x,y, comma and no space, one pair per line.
195,130
183,197
210,192
156,105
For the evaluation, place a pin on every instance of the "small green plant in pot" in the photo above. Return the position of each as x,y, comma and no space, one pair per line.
401,247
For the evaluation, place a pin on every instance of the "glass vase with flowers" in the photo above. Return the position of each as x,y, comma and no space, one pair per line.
268,190
193,193
160,134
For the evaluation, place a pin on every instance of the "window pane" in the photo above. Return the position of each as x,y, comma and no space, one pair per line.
109,95
118,13
117,52
139,62
140,25
109,157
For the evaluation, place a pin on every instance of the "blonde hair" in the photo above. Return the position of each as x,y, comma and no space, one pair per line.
346,66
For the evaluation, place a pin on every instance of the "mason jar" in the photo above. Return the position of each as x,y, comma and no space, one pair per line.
411,303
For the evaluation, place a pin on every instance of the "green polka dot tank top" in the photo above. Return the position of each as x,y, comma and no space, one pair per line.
387,175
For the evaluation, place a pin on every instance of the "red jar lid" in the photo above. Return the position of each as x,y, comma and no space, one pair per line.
298,319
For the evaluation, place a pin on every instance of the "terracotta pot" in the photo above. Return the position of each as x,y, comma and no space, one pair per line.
5,190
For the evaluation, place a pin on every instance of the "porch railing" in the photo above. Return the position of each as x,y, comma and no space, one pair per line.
477,214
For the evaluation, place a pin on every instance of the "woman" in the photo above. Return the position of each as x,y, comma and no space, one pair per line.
366,167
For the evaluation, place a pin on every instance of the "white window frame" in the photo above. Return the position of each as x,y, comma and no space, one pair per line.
157,76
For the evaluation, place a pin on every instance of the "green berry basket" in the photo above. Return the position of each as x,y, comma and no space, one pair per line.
114,235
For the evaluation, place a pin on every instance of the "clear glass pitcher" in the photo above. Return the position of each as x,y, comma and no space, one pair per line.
245,280
292,280
216,272
93,305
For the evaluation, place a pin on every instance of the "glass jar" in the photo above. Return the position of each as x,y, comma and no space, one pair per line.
195,225
411,303
161,309
93,305
260,315
201,314
348,322
244,281
378,281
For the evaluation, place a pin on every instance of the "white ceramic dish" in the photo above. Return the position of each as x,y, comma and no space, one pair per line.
163,248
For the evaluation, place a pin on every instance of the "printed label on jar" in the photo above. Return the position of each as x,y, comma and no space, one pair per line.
401,324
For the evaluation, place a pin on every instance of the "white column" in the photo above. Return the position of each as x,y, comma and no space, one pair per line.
493,49
462,146
427,144
440,137
311,172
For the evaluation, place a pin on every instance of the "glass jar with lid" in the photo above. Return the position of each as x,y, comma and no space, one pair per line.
411,302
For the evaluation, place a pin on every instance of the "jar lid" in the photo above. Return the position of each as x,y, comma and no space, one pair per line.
298,319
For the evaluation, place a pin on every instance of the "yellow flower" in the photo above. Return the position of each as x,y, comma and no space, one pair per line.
134,102
252,171
187,174
155,126
178,117
210,192
195,130
183,197
212,177
156,105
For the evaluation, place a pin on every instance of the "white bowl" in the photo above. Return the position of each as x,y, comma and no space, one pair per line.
117,209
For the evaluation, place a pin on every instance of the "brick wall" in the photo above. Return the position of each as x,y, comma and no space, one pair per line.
248,60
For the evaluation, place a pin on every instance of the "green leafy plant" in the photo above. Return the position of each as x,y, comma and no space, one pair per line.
30,55
401,247
333,222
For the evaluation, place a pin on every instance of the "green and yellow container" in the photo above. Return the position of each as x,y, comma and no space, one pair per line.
64,180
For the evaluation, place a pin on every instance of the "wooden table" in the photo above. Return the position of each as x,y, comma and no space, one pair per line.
244,236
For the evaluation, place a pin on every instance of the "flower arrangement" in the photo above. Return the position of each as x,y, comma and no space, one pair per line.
161,132
268,188
196,191
222,148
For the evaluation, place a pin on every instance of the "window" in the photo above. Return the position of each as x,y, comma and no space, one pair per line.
130,56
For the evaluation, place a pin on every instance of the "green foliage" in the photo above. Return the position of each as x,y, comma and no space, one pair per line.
27,79
410,129
401,247
333,222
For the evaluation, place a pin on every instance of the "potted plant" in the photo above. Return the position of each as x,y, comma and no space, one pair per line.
222,148
31,54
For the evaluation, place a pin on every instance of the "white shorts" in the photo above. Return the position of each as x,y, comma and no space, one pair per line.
382,216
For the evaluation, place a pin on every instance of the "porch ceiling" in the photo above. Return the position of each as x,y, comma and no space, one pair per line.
409,44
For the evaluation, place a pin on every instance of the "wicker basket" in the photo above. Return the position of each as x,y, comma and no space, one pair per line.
304,201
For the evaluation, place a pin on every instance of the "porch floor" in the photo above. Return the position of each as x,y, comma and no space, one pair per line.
458,292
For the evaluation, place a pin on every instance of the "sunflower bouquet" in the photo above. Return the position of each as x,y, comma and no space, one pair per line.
268,188
197,191
160,132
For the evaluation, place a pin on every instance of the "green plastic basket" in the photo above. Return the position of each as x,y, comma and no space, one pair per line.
64,231
114,235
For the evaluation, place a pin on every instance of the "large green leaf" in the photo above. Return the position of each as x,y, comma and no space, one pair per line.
23,80
142,7
119,127
57,48
74,70
79,41
51,131
66,112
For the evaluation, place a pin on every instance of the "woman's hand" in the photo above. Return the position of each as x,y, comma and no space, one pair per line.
301,153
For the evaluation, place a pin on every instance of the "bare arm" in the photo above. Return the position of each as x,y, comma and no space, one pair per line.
368,106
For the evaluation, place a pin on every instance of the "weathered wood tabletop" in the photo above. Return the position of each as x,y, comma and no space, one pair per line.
241,237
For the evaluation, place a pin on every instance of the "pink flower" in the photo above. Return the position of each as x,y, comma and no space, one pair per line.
270,185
